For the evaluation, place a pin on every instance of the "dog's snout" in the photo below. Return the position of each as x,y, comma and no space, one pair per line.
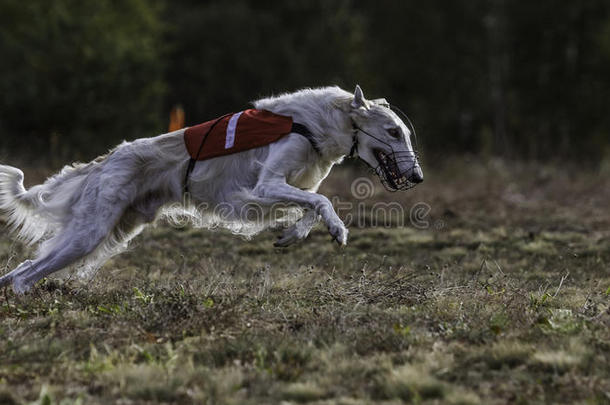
417,176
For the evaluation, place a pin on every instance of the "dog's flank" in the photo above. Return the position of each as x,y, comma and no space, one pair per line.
89,212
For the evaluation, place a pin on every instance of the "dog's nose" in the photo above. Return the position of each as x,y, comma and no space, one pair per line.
417,176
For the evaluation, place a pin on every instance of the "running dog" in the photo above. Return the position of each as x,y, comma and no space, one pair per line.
88,212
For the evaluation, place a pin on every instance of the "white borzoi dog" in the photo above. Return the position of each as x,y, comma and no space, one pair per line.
88,212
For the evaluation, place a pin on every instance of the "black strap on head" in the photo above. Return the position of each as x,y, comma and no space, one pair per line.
408,121
193,160
303,130
357,129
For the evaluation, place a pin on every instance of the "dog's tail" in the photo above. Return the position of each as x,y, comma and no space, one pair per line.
37,212
18,206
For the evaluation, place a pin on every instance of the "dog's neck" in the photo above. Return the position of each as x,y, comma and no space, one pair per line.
324,111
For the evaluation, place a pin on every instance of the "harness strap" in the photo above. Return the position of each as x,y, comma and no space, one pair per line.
193,160
303,130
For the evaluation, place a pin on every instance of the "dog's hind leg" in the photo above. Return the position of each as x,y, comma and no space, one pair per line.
79,240
70,246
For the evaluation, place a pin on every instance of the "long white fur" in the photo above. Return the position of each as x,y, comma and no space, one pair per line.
88,212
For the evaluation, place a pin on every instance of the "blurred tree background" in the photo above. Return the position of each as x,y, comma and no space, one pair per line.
517,79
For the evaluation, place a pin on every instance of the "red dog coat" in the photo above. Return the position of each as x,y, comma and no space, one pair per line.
234,133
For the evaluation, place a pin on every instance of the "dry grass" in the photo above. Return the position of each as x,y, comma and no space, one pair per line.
470,310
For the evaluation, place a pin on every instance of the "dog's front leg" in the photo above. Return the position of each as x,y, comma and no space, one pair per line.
317,203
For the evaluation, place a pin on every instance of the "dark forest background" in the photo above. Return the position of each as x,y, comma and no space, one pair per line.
518,79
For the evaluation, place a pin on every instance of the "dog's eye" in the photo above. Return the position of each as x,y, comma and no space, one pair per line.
394,132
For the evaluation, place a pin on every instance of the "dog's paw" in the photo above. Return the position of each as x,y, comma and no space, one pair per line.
21,285
290,236
287,238
338,231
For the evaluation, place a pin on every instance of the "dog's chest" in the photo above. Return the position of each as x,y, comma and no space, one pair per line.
310,176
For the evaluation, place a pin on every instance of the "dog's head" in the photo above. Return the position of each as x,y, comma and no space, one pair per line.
384,142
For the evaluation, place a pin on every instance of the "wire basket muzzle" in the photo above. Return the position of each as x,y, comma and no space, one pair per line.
398,171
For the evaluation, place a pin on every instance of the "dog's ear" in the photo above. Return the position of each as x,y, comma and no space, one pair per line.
359,101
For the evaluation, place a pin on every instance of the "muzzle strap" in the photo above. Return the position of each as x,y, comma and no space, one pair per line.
388,169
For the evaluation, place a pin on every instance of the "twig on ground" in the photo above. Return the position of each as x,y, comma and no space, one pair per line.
6,297
563,278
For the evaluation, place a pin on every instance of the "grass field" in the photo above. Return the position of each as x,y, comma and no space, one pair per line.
498,295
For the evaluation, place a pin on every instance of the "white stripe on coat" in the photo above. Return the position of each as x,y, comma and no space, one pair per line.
230,138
